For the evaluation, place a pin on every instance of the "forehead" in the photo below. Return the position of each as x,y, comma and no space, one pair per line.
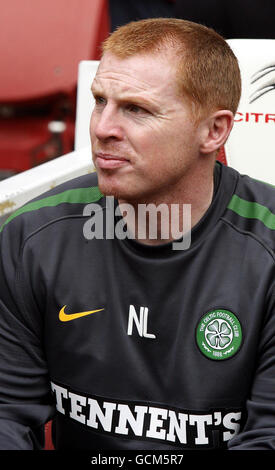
151,74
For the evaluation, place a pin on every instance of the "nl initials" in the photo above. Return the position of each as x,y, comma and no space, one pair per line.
141,322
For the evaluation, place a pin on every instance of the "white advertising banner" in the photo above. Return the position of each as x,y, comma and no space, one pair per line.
250,148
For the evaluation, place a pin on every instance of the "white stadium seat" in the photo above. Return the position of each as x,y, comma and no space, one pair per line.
85,102
17,190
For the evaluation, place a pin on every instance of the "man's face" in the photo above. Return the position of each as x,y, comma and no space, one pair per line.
144,140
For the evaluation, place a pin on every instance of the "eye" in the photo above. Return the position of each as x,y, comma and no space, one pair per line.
99,100
135,109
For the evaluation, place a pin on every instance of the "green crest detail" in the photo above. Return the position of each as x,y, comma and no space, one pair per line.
219,334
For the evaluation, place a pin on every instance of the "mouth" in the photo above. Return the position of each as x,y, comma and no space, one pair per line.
109,161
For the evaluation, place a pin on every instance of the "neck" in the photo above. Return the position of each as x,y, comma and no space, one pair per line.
166,217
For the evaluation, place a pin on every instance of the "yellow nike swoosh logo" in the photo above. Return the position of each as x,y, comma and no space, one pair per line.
73,316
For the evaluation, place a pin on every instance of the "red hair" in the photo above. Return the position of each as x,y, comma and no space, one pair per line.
207,69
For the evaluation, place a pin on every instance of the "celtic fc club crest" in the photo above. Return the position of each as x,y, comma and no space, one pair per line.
219,334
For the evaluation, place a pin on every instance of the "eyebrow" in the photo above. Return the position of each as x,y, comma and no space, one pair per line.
131,98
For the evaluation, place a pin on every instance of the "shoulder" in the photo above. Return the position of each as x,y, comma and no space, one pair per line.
65,200
251,209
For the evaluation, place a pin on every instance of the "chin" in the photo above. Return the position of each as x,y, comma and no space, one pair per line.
113,185
109,189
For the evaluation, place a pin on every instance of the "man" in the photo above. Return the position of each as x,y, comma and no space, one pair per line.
136,344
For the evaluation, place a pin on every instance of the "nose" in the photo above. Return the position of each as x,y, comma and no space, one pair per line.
105,125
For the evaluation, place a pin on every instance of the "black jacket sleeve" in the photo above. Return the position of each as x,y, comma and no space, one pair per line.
25,400
259,429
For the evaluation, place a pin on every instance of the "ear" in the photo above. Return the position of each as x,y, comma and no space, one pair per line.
215,130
